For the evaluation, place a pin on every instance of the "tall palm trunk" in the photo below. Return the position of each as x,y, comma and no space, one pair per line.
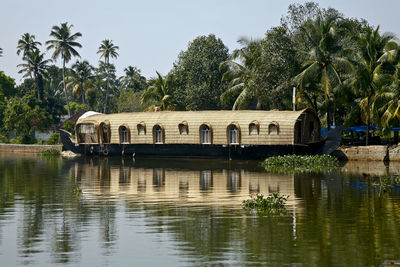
107,74
83,93
65,89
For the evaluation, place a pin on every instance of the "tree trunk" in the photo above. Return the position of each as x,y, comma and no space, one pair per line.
83,93
107,74
367,136
328,115
65,89
315,103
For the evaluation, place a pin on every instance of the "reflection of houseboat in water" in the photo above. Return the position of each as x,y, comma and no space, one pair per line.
124,180
227,134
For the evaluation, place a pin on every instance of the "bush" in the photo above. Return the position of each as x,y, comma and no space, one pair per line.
3,139
23,139
54,139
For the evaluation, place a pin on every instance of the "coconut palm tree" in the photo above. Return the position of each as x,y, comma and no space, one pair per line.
27,44
106,50
370,82
64,44
242,81
133,80
35,67
1,52
160,93
81,73
323,59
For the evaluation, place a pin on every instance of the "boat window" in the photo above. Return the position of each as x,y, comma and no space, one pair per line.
205,134
141,128
254,129
87,133
158,135
123,135
233,135
273,128
105,133
183,128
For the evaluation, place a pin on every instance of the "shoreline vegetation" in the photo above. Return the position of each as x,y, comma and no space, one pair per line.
294,164
345,69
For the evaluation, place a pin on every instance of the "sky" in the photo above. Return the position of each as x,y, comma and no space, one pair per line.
150,34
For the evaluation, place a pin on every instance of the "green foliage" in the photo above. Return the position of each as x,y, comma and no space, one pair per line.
384,182
24,115
54,139
160,93
23,139
76,190
197,77
7,85
69,126
50,153
300,164
3,139
75,107
133,80
129,101
274,204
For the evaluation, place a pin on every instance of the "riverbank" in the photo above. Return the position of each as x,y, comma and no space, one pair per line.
30,149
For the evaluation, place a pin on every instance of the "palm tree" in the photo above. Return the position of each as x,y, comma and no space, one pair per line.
133,80
107,49
36,65
27,44
1,52
64,45
160,93
242,81
81,73
370,82
323,58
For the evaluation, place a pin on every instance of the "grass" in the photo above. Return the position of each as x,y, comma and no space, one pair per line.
300,164
50,153
274,204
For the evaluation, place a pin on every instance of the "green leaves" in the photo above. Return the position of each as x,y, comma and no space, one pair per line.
274,204
300,164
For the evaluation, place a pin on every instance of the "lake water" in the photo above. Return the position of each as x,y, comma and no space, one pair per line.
160,212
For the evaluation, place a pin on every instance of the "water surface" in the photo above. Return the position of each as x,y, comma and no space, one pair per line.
188,212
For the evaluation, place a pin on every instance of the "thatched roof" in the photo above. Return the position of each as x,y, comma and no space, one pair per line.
218,120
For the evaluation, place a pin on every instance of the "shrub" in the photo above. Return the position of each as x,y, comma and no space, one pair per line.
54,139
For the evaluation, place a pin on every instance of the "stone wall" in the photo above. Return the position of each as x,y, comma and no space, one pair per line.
13,148
365,153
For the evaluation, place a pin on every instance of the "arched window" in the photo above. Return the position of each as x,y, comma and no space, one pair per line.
124,135
158,134
233,135
86,133
141,128
183,128
273,128
254,128
205,134
105,133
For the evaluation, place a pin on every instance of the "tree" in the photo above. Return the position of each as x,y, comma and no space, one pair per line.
64,44
7,85
133,79
108,84
106,50
36,65
130,101
160,93
323,59
81,73
242,81
370,82
24,115
27,44
1,52
197,76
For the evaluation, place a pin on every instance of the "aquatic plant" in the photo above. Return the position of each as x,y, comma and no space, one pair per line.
50,153
300,164
76,190
274,204
385,182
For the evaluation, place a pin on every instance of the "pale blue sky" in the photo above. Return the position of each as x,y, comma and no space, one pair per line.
151,33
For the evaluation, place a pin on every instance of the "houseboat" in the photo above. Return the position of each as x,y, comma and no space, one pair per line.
246,134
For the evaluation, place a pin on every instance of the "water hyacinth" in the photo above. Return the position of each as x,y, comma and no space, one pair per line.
300,164
272,205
